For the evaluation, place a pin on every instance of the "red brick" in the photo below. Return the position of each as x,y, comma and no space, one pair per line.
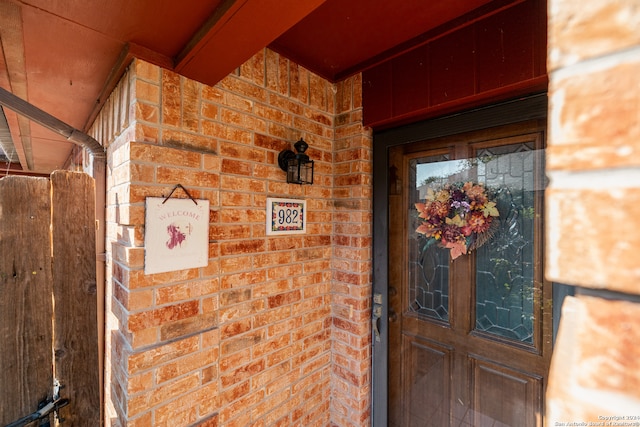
254,68
276,115
271,66
284,326
278,412
580,31
283,76
242,342
238,102
140,383
246,246
147,133
238,409
579,238
234,393
235,296
596,359
147,113
158,316
242,279
189,326
232,329
209,111
239,183
185,365
239,311
171,102
179,412
281,272
283,299
272,345
244,88
184,291
164,155
146,359
231,361
238,263
274,258
269,375
166,175
208,399
209,373
223,232
241,373
595,127
236,167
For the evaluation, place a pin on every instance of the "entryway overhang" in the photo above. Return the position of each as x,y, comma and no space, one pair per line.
66,57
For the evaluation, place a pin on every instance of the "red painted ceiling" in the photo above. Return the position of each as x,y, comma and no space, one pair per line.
64,56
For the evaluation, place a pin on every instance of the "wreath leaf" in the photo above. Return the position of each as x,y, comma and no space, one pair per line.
490,209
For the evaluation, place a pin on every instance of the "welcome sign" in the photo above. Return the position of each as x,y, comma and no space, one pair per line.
176,234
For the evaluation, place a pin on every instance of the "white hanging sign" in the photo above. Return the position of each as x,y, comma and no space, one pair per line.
176,234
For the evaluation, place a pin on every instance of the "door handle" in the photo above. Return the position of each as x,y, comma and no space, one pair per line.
376,315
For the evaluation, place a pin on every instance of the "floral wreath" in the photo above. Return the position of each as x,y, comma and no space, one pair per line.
459,216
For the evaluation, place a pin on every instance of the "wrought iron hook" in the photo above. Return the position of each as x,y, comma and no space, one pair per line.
183,189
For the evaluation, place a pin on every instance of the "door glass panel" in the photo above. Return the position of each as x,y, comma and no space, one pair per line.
429,264
505,269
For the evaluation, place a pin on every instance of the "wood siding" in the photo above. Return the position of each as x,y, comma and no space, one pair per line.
492,58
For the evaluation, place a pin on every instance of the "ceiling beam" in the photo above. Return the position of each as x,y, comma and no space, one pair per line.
7,168
217,20
235,32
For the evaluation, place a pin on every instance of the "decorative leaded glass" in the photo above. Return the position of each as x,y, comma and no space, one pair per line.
429,264
505,285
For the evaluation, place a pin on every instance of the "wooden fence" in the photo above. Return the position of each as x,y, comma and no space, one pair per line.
48,306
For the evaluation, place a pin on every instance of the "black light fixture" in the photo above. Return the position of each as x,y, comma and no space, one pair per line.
298,167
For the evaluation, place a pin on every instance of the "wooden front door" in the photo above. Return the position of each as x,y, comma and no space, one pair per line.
469,338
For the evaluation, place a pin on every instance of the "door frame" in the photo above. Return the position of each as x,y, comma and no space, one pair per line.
510,112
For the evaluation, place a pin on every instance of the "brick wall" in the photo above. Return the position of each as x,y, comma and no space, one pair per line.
352,267
593,209
274,331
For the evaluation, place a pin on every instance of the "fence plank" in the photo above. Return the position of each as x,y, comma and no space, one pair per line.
74,277
25,303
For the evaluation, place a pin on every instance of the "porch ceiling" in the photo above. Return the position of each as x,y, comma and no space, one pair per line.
65,56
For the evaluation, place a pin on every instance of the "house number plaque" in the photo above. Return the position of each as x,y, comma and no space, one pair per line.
286,216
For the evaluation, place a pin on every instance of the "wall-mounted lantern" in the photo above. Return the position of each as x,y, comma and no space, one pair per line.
297,165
